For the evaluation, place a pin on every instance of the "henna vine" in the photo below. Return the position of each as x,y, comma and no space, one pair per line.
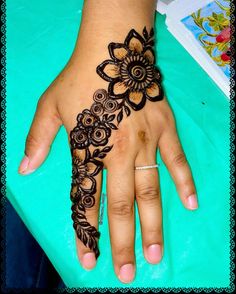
133,78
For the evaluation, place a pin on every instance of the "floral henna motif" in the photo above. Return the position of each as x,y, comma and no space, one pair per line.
133,78
131,71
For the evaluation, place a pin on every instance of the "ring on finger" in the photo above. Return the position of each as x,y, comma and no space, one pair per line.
146,167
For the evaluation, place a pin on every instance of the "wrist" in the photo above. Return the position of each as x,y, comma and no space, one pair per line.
106,21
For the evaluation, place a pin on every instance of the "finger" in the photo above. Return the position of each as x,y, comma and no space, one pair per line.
43,129
120,188
85,254
85,195
147,192
176,162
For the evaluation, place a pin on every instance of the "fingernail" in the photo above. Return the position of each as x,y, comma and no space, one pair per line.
89,260
126,274
24,164
192,202
154,253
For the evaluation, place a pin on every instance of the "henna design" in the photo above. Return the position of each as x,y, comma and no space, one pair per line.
133,78
131,72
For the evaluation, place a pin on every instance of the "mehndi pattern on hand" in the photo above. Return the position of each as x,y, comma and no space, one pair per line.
133,78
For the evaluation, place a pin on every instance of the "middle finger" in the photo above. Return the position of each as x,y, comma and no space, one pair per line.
120,188
148,199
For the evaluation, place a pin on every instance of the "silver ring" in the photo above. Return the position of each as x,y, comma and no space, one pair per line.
146,167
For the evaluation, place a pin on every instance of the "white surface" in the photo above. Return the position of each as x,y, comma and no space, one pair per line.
162,5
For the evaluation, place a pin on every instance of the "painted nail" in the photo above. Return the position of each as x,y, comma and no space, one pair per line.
154,253
192,202
126,274
89,260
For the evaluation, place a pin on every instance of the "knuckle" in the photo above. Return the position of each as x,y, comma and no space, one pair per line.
121,208
155,231
147,193
180,159
121,141
126,251
168,118
41,102
31,142
92,211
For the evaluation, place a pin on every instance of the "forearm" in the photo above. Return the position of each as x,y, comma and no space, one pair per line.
104,21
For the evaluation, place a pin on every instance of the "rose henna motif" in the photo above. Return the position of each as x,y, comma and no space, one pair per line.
133,78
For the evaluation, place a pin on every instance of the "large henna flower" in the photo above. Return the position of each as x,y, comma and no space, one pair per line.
131,71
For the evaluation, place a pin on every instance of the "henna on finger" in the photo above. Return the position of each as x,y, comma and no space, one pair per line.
133,78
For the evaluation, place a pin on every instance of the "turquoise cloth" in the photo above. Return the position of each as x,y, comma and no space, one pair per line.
40,38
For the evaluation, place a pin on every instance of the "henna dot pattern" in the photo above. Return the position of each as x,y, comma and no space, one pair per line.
133,78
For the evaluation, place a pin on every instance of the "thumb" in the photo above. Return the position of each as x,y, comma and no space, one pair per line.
43,130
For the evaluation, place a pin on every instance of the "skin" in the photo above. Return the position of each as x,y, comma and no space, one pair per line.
135,142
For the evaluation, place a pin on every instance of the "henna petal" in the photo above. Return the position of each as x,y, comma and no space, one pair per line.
134,41
74,195
149,55
108,70
154,92
88,184
99,167
136,97
117,89
136,100
79,153
117,51
111,70
93,169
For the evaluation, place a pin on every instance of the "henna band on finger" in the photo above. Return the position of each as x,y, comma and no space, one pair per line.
133,79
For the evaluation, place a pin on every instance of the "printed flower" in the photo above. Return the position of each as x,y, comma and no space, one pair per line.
131,71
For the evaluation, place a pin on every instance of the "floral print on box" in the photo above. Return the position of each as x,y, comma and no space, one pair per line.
210,25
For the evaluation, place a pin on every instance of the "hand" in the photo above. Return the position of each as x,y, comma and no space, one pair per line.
117,125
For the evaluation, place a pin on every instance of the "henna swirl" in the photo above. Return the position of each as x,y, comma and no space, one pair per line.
133,78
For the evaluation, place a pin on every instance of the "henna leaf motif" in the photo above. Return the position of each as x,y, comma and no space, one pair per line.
120,116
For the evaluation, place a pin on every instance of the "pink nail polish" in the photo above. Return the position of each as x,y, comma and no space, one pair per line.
89,260
24,164
126,274
154,253
192,202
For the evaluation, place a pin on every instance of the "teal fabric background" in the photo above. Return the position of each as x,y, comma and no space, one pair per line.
40,38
